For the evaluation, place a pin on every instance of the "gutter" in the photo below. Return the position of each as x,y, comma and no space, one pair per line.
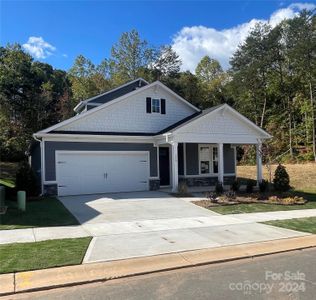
42,160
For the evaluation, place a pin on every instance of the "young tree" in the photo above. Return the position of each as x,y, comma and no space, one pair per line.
166,64
208,69
129,56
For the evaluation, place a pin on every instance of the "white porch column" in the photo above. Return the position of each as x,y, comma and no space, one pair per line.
259,162
175,176
220,163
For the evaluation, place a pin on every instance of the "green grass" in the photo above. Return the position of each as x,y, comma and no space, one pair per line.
42,255
44,212
302,224
308,194
258,207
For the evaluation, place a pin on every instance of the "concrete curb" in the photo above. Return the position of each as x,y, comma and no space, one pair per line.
94,272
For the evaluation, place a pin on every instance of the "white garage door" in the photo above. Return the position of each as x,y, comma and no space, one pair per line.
101,172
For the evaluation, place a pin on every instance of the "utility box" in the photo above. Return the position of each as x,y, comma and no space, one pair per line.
21,200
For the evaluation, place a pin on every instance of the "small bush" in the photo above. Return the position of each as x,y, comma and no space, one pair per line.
263,186
235,185
182,188
249,186
230,195
219,189
26,180
281,179
212,197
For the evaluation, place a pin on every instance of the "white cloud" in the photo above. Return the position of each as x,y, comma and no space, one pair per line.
38,48
192,43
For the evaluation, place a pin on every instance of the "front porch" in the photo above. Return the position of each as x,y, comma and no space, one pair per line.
199,165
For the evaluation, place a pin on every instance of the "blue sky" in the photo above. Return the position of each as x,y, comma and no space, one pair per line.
57,31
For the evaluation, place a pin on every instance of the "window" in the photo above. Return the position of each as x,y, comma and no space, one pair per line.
205,158
208,159
155,105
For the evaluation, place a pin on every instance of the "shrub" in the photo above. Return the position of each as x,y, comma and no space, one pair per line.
26,180
182,188
249,186
263,186
230,195
281,179
235,185
219,189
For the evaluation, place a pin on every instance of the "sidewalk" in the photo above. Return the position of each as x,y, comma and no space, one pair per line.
97,230
74,275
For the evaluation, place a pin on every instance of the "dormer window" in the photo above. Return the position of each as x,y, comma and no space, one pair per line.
155,105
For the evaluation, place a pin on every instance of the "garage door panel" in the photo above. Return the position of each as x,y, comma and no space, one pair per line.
105,172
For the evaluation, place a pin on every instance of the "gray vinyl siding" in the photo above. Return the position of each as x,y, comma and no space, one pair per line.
51,147
229,159
192,159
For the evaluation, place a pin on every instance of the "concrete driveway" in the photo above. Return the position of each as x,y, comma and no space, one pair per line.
127,207
139,224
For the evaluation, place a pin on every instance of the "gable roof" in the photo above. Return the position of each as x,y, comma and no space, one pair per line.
121,98
174,128
113,94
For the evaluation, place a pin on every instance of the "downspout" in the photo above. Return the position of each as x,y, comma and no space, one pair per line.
42,170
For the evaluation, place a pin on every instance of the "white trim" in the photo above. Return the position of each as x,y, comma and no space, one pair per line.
114,101
158,168
110,91
220,162
98,152
175,173
98,138
184,159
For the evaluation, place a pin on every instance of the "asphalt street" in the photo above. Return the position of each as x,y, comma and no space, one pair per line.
283,276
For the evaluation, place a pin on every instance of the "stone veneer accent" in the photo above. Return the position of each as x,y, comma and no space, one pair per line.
206,181
50,189
154,184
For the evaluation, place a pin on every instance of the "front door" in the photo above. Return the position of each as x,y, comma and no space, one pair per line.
164,166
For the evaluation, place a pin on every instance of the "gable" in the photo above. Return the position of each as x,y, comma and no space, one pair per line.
223,123
129,114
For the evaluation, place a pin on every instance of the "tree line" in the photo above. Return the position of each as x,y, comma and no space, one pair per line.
271,81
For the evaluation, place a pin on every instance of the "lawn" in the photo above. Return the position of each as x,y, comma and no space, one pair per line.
302,179
46,211
258,207
42,255
302,224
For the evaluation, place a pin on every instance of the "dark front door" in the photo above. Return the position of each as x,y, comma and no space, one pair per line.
164,166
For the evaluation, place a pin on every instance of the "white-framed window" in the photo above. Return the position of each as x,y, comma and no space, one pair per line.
208,159
155,105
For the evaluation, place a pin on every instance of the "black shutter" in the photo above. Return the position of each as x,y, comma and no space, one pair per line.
163,106
148,105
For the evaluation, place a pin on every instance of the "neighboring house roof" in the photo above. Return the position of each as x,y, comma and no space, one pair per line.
124,97
112,94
